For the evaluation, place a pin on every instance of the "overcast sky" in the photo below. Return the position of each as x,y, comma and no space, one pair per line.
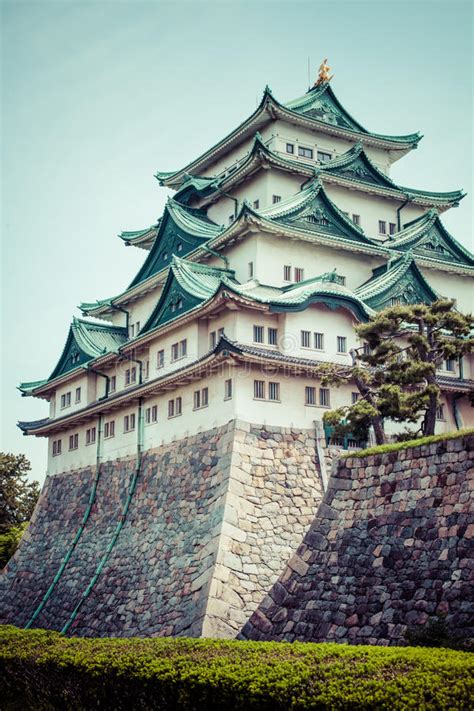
97,96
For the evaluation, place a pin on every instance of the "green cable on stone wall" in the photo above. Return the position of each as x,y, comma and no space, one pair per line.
79,532
118,528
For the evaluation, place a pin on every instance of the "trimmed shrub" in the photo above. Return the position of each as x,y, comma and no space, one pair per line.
40,669
396,446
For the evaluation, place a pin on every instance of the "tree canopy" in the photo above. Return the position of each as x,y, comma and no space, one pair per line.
18,496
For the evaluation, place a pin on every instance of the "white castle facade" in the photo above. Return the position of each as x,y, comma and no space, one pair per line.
278,241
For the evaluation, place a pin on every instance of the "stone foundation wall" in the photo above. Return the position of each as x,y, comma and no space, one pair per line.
212,522
390,547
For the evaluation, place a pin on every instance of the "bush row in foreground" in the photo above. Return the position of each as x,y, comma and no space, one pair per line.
43,670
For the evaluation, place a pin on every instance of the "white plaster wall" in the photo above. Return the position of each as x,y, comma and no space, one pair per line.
453,286
87,394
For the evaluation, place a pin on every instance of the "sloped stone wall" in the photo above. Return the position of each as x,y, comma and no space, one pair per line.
390,547
213,520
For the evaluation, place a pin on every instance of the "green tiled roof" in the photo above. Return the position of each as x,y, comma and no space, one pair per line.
141,237
399,280
320,103
86,340
426,236
181,231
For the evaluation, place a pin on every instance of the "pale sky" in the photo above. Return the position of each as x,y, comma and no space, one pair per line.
98,96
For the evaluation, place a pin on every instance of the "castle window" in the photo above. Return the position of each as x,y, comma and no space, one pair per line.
183,347
131,330
382,227
440,413
131,375
449,364
258,334
319,341
259,389
151,414
178,407
310,395
323,157
392,228
274,391
273,336
356,219
250,270
137,328
276,198
324,398
290,148
256,204
179,350
160,359
305,339
65,400
78,394
341,344
354,398
91,435
129,422
73,441
109,429
305,152
113,384
287,272
366,350
201,398
212,339
147,370
75,357
56,447
175,407
395,301
299,274
228,389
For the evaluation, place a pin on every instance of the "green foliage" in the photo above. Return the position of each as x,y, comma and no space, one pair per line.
436,633
10,541
43,670
397,377
396,446
18,496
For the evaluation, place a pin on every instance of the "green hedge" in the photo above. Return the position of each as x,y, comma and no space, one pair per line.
42,670
396,446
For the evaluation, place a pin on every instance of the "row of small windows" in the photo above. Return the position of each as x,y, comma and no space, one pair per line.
263,390
316,341
305,152
165,255
298,273
66,398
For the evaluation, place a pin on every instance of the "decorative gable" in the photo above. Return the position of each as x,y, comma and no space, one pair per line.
72,357
427,237
399,282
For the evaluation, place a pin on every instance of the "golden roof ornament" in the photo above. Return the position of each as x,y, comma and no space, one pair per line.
323,76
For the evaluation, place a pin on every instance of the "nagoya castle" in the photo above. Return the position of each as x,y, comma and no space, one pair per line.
186,448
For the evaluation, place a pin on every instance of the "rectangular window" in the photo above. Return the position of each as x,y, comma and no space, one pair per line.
256,204
323,157
160,359
56,447
109,429
151,414
258,334
147,369
212,339
197,399
274,391
129,422
78,394
228,389
341,344
205,397
91,435
382,227
183,348
305,339
113,384
175,351
170,408
175,407
73,441
131,375
287,272
250,265
276,198
354,398
366,349
356,219
259,389
299,274
319,341
310,395
178,407
137,328
305,152
290,148
440,412
65,400
324,397
449,365
132,330
273,336
392,228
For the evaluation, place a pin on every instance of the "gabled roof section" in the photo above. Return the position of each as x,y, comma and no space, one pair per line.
427,237
318,110
311,209
355,165
320,103
188,285
181,231
85,340
141,238
398,281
